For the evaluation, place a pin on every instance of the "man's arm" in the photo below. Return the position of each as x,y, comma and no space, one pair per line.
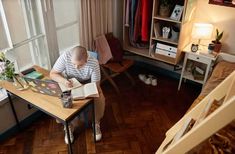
59,66
58,77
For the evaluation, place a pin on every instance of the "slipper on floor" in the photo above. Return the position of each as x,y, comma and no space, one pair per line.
142,77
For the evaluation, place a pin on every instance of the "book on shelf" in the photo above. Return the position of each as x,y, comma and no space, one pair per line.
199,70
197,75
157,30
80,91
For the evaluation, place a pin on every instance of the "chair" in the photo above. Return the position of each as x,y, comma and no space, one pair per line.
112,68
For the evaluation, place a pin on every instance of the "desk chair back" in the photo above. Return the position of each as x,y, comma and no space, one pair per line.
113,66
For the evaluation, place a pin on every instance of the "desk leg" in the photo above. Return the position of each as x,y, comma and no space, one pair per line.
13,110
93,120
68,135
182,72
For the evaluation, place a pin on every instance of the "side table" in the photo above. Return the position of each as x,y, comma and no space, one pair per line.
200,57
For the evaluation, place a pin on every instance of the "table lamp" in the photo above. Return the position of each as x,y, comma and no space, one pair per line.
201,31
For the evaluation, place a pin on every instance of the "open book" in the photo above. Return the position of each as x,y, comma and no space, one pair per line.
80,91
76,84
87,90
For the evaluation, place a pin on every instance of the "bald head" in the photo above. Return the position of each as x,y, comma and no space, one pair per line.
79,56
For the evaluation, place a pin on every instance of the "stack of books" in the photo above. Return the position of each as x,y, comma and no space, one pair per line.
198,73
32,74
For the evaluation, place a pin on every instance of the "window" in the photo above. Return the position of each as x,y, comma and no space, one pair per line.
5,40
24,18
66,20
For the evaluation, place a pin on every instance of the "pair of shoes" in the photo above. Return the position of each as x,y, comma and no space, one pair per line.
98,134
70,135
150,80
142,77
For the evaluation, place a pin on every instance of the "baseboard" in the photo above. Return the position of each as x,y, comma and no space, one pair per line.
165,72
158,70
23,124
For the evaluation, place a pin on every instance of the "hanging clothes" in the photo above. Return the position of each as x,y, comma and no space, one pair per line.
127,20
138,22
132,19
138,17
147,6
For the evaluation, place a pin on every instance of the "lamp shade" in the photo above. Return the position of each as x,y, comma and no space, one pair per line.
202,31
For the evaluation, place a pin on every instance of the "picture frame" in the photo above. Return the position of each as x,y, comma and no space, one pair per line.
177,12
229,3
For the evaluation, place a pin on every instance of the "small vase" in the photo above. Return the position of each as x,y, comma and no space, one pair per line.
164,11
175,34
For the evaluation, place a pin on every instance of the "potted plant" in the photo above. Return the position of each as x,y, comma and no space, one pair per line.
6,68
164,9
217,42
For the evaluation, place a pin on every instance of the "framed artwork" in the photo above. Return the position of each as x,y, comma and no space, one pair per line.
229,3
177,12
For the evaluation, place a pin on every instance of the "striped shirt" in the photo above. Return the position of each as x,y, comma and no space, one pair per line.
90,71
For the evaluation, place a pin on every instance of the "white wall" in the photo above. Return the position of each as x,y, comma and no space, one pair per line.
222,18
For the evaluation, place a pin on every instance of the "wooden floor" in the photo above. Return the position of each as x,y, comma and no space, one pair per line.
134,122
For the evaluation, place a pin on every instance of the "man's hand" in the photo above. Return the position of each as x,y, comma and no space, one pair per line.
68,83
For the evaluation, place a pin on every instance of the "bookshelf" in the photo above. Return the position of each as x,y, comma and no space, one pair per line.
208,126
184,26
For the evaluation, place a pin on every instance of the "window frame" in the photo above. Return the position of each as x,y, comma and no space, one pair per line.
5,28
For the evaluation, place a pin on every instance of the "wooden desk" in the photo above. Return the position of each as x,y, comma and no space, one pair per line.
49,104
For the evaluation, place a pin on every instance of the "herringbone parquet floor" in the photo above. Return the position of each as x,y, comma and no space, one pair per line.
134,122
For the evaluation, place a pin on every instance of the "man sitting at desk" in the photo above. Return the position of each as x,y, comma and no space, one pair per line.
78,64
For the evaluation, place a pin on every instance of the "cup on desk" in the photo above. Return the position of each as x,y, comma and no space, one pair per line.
211,47
66,99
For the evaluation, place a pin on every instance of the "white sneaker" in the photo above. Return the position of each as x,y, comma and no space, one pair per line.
154,82
98,134
148,81
70,135
142,77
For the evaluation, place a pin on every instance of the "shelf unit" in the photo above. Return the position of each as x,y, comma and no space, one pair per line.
209,125
185,26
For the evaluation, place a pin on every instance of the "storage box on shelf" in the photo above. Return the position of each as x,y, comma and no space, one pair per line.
178,36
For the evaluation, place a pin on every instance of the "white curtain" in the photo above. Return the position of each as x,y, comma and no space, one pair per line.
94,19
